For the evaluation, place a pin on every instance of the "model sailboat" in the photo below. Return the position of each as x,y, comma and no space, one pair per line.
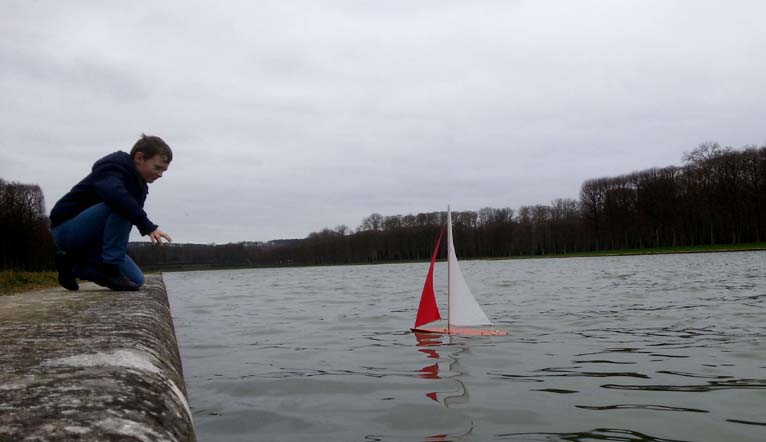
464,314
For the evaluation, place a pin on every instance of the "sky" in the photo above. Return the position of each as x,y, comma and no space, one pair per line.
287,117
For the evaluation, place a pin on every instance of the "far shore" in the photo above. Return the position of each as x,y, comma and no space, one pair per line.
12,282
716,248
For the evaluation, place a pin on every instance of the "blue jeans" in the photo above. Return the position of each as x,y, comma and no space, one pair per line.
97,235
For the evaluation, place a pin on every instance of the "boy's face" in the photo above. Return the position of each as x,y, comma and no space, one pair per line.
152,168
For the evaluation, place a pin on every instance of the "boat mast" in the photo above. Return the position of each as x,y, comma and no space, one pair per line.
449,246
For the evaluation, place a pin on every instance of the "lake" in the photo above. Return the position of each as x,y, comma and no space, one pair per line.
635,348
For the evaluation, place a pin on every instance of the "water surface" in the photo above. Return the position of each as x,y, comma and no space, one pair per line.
645,348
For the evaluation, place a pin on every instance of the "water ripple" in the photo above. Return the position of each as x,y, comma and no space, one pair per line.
738,421
587,436
740,384
640,407
558,373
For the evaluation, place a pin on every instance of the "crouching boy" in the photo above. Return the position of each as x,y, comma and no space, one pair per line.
91,224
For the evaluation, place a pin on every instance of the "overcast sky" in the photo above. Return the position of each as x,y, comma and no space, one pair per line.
286,117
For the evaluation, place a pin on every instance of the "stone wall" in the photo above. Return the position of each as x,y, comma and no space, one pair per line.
91,365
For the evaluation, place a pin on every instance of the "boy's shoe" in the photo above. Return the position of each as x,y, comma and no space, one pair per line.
109,276
64,267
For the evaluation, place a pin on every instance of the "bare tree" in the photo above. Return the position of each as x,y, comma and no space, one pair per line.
25,240
372,222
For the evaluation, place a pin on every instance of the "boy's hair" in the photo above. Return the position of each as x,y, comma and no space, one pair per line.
150,146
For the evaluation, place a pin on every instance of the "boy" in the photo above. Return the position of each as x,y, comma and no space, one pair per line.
91,224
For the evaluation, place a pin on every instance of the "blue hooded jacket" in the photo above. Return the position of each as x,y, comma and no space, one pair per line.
114,180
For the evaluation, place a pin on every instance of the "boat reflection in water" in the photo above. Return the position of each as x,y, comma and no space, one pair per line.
428,344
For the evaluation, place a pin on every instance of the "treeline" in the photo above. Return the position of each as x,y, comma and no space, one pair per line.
25,239
717,196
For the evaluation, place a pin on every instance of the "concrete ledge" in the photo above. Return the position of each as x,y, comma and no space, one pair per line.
91,365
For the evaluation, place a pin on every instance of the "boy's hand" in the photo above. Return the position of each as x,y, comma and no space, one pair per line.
158,235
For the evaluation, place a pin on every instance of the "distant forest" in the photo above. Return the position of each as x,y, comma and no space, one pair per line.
718,196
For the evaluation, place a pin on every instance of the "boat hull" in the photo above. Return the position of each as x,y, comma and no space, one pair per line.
463,331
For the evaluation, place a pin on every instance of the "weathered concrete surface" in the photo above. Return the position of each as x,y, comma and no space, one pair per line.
91,365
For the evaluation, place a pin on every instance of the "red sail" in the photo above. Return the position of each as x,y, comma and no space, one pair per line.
428,311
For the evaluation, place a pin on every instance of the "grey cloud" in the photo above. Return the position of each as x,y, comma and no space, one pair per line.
287,117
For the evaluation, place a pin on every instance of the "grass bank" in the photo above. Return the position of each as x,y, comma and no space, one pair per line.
15,282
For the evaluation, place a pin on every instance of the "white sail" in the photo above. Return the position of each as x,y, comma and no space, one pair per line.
463,309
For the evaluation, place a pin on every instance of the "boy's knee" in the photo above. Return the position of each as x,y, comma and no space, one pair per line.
138,278
117,222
